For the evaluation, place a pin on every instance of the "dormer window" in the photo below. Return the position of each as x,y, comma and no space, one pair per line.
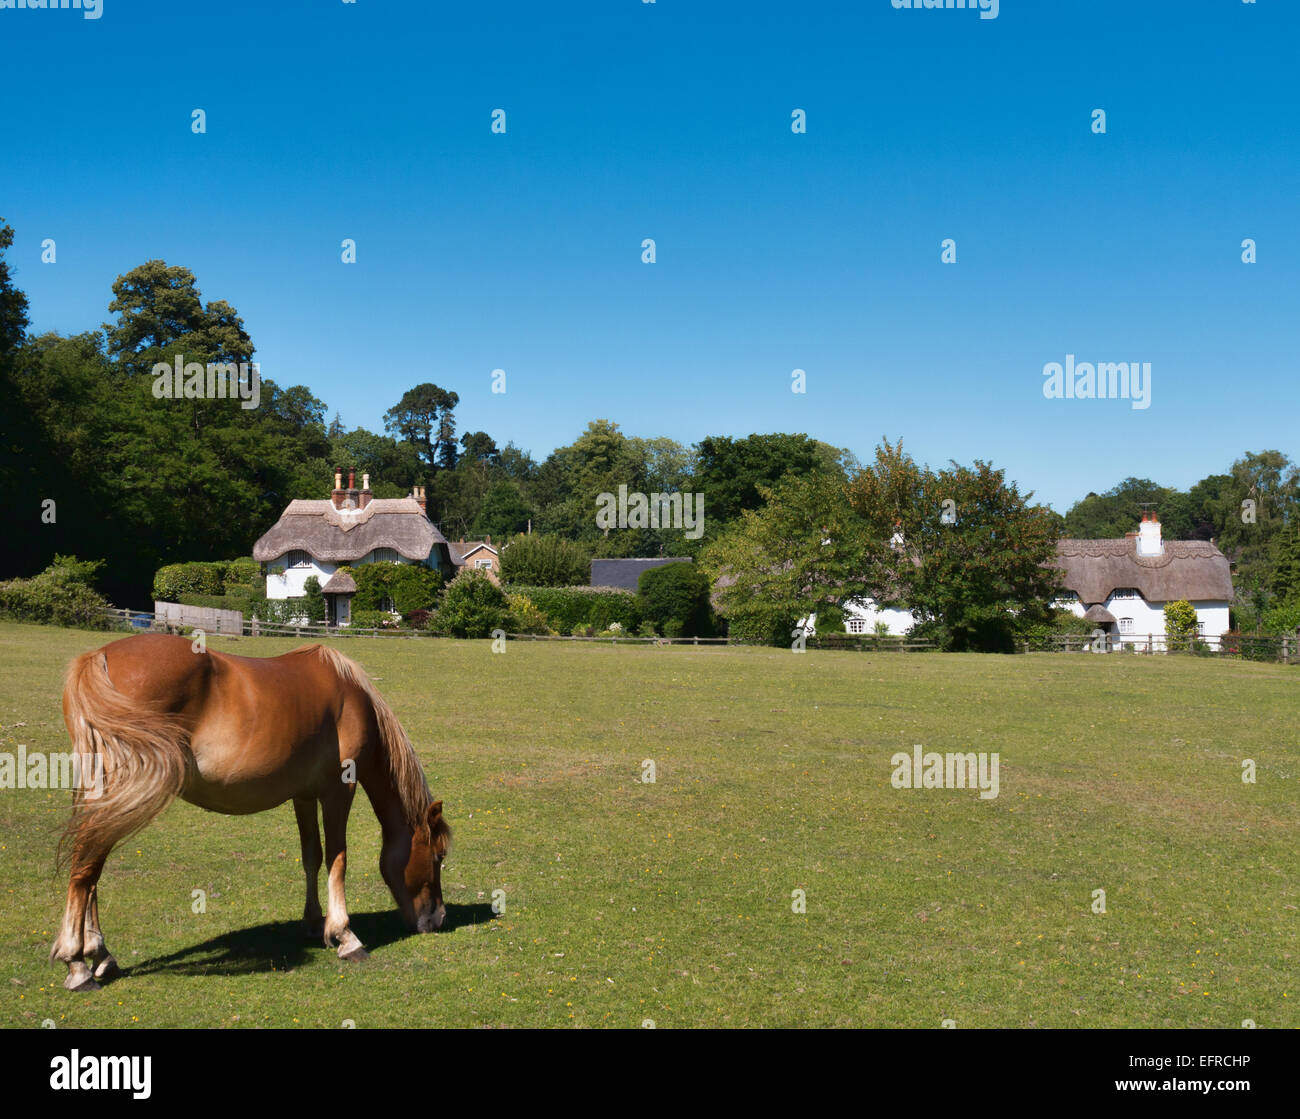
384,555
1126,592
298,558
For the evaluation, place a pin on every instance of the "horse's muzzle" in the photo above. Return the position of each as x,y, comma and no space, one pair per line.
432,922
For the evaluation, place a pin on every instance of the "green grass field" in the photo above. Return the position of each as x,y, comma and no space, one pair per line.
672,901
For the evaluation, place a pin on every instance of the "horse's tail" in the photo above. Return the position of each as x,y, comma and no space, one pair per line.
132,759
403,763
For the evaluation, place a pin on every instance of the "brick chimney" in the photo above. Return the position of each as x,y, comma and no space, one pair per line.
1148,540
366,497
417,492
339,496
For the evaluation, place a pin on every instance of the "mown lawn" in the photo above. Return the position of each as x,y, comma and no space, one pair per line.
672,901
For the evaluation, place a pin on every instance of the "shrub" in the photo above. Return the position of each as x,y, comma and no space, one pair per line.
417,619
313,601
410,586
472,606
1039,633
935,631
175,580
567,607
60,595
760,627
284,611
676,595
1282,619
244,604
524,616
541,560
373,619
1180,619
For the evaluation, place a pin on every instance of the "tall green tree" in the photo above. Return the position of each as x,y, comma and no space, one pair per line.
425,417
805,551
984,557
732,472
19,440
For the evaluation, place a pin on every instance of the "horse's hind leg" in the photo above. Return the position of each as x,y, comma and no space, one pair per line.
101,959
70,945
304,808
334,811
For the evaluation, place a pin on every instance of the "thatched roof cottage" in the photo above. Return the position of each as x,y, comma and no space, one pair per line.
351,527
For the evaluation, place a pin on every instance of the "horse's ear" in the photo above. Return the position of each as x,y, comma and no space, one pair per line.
439,831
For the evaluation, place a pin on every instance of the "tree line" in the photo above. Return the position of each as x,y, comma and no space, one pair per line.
97,465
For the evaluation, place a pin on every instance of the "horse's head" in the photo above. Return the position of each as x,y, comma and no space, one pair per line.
424,869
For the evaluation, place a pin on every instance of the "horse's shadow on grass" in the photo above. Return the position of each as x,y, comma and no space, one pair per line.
283,945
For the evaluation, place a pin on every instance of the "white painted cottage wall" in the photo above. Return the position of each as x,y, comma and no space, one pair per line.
291,583
1149,617
865,609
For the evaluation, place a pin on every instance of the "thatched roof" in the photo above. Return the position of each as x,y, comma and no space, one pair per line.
624,573
342,535
1192,569
340,583
1099,614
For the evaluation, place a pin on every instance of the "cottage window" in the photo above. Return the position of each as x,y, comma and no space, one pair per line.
1126,625
1125,592
298,558
386,603
383,555
483,563
857,625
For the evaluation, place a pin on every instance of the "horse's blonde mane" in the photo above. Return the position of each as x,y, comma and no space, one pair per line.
403,764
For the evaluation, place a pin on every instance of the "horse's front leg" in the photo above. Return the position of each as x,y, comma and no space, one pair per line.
334,810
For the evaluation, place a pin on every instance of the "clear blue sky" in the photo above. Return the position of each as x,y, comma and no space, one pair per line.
775,251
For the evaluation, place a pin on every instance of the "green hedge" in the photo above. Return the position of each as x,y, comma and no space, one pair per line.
177,581
242,603
566,607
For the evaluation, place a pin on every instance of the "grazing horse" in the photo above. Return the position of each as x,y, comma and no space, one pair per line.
239,735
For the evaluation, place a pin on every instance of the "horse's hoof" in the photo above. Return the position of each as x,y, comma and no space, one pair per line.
85,983
107,970
352,949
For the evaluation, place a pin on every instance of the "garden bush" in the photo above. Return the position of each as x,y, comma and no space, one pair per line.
472,606
60,595
524,615
566,607
676,596
410,586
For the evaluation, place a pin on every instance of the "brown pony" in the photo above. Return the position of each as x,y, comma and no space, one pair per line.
239,735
